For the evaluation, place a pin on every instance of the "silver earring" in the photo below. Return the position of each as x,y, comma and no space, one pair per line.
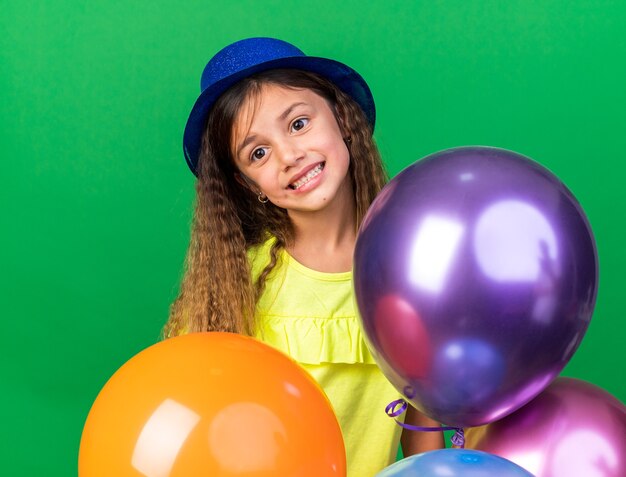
262,197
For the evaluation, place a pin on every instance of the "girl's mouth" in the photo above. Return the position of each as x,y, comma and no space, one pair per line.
307,177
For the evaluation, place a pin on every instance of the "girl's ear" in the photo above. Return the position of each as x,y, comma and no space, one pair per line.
240,180
246,182
340,121
249,184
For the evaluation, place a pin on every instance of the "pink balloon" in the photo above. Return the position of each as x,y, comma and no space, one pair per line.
572,428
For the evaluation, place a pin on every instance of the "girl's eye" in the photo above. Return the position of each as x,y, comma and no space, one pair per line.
299,124
258,154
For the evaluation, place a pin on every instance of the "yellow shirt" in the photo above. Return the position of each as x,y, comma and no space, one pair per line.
310,316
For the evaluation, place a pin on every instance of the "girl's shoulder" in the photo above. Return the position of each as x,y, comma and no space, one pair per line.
262,247
259,255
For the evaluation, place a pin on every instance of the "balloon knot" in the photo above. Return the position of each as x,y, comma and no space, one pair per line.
458,439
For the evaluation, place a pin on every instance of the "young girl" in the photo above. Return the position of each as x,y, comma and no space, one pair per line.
282,147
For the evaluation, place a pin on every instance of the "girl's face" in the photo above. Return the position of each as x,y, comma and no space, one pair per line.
287,144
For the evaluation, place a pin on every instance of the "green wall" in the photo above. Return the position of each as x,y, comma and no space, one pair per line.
96,198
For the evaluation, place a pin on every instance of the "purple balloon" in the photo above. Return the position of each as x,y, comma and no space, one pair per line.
571,428
494,257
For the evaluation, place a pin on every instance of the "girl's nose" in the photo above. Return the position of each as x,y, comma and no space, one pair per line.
290,153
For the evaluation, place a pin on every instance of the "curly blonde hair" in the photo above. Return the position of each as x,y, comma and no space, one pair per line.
217,293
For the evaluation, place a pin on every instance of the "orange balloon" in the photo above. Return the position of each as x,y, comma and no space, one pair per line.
211,404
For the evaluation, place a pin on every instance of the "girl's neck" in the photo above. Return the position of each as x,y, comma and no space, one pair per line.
324,240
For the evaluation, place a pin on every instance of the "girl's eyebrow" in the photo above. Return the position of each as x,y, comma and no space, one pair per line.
288,111
282,117
245,142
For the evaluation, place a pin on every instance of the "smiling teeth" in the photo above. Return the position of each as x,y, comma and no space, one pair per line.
309,175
